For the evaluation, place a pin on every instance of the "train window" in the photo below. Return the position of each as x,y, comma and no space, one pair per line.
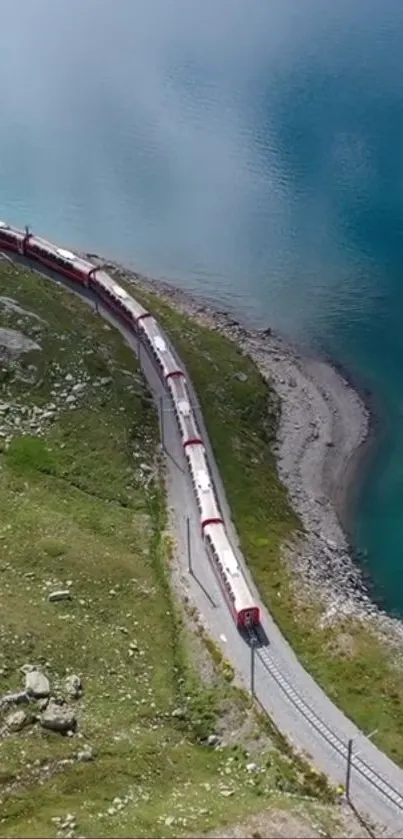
41,250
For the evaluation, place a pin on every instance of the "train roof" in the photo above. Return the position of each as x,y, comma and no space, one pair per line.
161,345
203,487
223,547
197,456
66,254
184,407
11,229
132,306
187,420
120,292
202,479
233,571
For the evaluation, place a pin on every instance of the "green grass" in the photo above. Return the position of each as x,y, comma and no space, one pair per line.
348,660
83,506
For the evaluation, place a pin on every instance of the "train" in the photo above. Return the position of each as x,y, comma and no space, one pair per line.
144,325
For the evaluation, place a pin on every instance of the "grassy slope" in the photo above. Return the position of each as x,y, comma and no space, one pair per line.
241,416
77,505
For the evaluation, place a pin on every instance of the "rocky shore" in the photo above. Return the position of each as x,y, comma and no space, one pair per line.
323,427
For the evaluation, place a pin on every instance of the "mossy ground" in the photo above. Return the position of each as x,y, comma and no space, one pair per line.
347,659
83,506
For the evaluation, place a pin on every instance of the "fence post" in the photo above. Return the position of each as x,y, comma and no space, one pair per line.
189,547
252,667
348,770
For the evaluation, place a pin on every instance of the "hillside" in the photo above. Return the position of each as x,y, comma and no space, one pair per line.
144,733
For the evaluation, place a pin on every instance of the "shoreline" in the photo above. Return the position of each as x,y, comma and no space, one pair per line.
325,436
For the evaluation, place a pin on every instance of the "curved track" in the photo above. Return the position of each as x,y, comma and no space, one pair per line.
283,688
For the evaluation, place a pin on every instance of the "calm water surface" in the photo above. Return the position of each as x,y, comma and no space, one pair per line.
248,149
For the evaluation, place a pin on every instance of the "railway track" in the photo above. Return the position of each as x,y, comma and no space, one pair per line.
365,771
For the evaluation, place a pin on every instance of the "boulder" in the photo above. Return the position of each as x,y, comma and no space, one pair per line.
36,684
58,718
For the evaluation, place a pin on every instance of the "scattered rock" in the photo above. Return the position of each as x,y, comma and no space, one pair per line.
242,377
73,686
17,720
14,698
85,755
213,739
36,684
169,821
58,718
55,596
179,713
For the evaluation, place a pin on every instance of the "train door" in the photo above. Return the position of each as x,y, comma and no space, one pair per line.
248,618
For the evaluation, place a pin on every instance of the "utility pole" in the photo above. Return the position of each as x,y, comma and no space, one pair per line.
252,666
348,770
349,760
162,422
189,545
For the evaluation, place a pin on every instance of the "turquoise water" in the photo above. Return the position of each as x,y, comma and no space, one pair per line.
248,149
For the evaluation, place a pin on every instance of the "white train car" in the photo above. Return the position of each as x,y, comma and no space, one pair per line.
56,259
11,238
184,412
230,576
116,297
160,349
202,485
